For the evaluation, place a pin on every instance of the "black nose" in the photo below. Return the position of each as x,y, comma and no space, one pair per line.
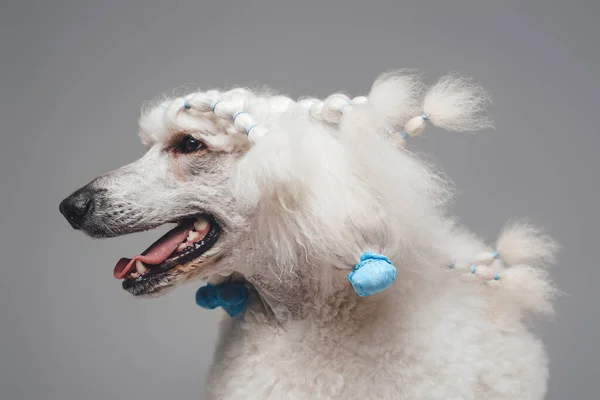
77,207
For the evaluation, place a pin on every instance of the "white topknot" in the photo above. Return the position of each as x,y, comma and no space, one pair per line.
521,243
527,289
396,96
457,104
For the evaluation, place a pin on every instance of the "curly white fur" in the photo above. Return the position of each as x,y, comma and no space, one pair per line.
458,104
522,243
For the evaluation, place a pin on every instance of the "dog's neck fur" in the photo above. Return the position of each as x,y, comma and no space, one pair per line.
307,298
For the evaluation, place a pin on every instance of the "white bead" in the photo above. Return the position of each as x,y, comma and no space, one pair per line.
243,122
346,109
462,266
484,258
202,102
316,111
359,100
332,107
256,133
485,273
227,109
415,126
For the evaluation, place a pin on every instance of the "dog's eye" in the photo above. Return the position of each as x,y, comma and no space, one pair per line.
190,144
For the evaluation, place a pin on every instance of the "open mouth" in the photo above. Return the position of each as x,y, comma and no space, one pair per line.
189,240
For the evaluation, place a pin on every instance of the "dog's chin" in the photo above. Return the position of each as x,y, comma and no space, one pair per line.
160,284
155,286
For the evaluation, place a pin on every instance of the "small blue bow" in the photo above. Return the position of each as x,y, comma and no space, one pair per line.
373,274
231,296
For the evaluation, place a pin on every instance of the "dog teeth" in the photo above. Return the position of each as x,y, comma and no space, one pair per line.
134,275
194,236
182,246
200,224
140,267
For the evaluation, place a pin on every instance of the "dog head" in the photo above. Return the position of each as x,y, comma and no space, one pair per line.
286,194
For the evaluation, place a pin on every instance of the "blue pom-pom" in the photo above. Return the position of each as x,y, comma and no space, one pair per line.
231,296
373,274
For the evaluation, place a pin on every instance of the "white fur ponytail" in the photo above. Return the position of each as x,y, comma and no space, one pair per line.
527,288
454,103
514,268
521,243
395,97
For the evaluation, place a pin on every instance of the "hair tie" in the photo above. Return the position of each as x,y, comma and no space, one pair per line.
425,117
373,274
215,105
186,105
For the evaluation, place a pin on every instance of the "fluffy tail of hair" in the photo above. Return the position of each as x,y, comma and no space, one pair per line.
395,97
454,103
522,243
515,268
527,288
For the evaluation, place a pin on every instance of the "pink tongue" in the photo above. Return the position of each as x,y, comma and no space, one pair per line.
158,252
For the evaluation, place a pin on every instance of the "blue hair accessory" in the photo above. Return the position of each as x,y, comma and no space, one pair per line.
497,276
404,134
215,105
231,296
495,255
425,117
473,268
186,104
373,274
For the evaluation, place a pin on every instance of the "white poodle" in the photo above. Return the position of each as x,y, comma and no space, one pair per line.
328,244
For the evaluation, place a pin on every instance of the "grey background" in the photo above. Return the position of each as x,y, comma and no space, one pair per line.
75,73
